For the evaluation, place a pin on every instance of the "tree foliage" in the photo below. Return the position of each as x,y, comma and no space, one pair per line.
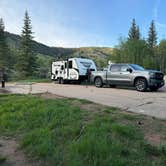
140,51
134,33
152,36
162,55
131,51
26,62
4,53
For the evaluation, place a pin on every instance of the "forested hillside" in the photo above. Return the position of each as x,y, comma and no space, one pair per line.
13,41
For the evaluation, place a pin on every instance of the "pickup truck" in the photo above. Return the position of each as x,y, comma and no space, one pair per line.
129,75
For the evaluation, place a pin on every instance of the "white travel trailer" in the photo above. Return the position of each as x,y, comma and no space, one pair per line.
72,70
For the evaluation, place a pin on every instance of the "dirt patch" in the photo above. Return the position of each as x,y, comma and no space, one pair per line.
153,139
154,130
2,91
49,96
9,149
95,108
91,107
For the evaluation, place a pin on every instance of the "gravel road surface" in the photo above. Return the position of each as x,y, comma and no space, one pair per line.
149,103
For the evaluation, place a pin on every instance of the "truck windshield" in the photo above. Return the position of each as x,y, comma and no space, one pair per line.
137,67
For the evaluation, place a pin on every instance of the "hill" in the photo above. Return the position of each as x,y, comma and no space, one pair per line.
13,41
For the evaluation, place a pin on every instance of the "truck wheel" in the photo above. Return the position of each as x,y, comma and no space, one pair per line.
98,82
153,88
141,84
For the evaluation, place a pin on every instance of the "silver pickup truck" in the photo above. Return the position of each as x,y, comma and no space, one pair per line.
129,75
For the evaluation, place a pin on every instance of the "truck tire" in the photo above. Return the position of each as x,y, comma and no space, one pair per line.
141,84
98,82
153,88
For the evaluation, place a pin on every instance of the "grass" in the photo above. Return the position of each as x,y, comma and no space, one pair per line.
31,80
59,132
2,159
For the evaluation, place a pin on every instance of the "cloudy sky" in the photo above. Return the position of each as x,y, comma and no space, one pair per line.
75,23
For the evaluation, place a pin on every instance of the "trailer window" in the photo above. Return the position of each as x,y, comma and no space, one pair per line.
70,64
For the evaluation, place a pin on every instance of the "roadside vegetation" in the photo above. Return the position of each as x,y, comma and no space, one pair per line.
145,51
32,80
66,131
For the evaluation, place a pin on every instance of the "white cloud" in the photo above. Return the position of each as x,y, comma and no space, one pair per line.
155,11
160,25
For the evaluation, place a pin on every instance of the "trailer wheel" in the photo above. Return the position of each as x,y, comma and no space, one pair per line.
61,81
98,82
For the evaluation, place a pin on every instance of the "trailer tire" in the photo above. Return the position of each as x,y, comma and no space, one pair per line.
61,81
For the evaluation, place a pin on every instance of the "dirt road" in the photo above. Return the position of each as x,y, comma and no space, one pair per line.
149,103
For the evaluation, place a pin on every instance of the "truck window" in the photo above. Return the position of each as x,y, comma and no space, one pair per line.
70,64
115,68
65,65
124,68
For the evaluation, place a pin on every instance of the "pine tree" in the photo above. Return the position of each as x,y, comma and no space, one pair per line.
152,36
3,48
134,33
152,45
138,35
26,62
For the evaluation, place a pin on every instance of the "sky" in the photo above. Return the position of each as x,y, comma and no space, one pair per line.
81,23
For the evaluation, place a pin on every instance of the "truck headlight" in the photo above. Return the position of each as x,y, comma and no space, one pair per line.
152,75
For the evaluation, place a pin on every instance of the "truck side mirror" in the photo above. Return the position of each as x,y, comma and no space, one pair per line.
130,70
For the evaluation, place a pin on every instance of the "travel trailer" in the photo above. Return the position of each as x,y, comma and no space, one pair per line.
72,70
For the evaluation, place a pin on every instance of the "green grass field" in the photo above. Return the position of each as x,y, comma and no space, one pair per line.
74,132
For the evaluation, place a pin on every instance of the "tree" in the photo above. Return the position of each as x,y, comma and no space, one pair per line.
4,53
162,55
152,45
152,36
138,35
134,33
131,51
26,62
